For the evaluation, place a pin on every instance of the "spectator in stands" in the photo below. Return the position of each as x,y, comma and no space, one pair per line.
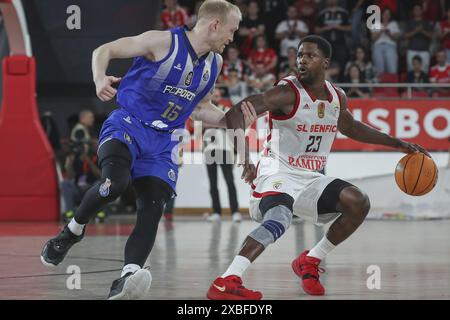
193,18
432,10
334,25
290,31
242,5
384,44
443,29
232,61
357,9
251,26
273,12
218,149
173,15
419,33
416,75
260,80
440,73
307,11
237,89
387,4
288,67
366,67
261,54
333,73
355,76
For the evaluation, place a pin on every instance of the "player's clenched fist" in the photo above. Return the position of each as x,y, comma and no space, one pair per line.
104,88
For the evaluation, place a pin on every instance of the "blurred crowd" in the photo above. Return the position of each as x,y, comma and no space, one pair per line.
409,44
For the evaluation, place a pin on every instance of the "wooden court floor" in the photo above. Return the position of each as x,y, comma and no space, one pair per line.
382,260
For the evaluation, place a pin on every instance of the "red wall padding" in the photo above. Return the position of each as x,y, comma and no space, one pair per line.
28,181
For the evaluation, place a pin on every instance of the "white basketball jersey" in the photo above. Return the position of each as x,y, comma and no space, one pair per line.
302,140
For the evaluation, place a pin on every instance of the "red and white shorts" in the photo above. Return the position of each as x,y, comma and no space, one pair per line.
305,187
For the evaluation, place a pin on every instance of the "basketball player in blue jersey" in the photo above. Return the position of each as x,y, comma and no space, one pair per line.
172,78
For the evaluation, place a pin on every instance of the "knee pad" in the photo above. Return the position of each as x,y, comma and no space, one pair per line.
115,163
330,196
116,175
275,223
269,202
152,190
114,152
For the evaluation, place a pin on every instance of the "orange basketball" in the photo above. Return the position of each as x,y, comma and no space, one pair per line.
416,174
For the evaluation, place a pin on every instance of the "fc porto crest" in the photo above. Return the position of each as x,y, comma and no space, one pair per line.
321,110
189,77
127,138
171,174
104,188
206,76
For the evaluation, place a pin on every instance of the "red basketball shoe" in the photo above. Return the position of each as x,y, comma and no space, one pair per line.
308,269
231,288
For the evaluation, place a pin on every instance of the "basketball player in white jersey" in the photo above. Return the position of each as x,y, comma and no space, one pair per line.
305,113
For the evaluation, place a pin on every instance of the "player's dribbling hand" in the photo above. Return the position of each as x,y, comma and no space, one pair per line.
104,88
408,147
249,113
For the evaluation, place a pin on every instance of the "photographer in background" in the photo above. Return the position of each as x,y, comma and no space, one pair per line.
80,168
83,129
83,152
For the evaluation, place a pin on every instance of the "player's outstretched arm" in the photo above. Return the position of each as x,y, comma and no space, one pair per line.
279,99
359,131
152,44
212,116
208,114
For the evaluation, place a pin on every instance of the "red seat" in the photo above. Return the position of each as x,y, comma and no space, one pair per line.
388,77
441,94
420,94
403,77
387,92
415,94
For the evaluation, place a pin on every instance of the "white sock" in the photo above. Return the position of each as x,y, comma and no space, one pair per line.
75,227
130,268
237,267
321,249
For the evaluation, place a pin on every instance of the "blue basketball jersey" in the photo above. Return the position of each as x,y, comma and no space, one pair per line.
164,93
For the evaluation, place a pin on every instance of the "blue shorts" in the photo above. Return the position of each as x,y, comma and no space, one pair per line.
151,150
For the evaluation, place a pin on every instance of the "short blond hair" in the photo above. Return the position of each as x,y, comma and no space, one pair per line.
217,8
